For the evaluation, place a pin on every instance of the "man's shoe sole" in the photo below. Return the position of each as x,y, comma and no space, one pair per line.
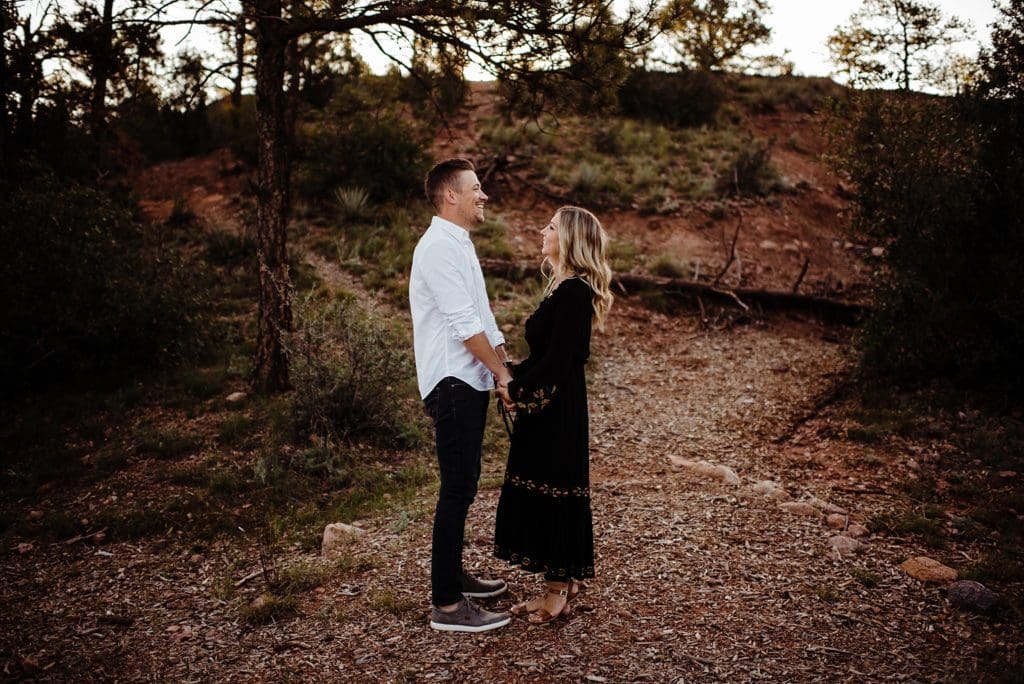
444,627
487,594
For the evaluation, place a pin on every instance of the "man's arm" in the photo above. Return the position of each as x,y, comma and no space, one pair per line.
480,347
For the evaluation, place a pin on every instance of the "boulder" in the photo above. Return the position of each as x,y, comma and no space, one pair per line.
928,570
798,508
337,536
771,490
235,397
825,506
856,531
709,470
836,521
844,546
974,596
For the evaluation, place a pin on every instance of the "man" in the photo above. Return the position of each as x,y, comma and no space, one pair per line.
460,354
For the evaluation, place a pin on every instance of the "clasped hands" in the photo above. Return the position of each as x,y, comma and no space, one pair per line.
501,389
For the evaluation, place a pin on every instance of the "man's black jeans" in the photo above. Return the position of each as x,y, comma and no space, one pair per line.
459,413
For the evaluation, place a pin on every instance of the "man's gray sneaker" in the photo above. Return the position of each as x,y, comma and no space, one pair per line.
467,618
478,588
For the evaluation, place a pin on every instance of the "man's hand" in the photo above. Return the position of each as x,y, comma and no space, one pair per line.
502,391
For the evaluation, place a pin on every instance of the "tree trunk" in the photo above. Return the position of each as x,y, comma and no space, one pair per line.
293,69
270,371
101,69
236,90
7,20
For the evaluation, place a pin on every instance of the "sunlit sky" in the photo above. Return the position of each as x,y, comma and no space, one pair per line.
803,26
800,27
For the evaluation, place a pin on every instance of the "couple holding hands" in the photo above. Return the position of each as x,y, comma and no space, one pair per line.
543,520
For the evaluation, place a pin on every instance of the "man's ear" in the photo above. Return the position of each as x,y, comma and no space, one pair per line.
449,195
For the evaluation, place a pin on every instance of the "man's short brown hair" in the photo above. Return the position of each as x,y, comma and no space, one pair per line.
442,176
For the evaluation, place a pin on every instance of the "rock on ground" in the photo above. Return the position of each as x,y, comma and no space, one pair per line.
928,570
338,535
970,595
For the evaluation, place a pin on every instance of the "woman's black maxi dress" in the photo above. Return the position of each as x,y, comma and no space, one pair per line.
544,522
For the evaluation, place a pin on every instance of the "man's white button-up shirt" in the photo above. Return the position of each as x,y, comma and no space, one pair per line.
448,302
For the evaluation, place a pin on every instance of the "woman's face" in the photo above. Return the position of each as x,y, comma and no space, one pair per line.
549,248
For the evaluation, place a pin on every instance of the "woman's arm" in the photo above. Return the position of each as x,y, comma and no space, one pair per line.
573,310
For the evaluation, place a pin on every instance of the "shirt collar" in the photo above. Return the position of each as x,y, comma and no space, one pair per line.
456,231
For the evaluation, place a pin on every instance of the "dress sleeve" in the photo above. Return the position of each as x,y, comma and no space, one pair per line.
533,389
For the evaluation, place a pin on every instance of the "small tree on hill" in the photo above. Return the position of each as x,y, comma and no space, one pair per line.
1003,65
895,41
713,34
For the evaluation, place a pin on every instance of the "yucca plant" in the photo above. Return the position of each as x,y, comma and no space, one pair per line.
353,201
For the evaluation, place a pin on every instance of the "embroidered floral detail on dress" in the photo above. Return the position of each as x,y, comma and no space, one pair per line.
575,571
546,489
535,401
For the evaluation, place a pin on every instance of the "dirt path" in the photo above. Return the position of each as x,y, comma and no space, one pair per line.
697,580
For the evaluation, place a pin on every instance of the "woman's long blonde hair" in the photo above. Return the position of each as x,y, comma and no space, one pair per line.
582,244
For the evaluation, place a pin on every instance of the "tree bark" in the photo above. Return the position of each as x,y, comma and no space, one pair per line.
236,90
270,370
7,20
101,69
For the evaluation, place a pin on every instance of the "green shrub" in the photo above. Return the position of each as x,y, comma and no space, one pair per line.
353,202
938,185
749,172
352,373
687,98
668,267
235,128
383,154
85,289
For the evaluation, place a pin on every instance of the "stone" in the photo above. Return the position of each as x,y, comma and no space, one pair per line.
856,531
771,490
798,508
878,251
35,515
769,245
928,570
25,547
235,397
844,546
836,520
705,469
974,596
825,506
337,536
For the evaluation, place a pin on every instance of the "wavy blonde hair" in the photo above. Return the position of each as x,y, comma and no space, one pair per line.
582,244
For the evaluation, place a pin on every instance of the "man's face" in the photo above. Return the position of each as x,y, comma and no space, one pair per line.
469,199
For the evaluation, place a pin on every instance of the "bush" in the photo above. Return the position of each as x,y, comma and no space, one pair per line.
352,373
750,172
767,95
687,98
235,128
382,154
85,289
938,184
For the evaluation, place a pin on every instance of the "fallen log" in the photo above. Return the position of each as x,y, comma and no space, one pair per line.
849,313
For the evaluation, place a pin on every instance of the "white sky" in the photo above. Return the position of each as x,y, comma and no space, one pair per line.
803,26
799,26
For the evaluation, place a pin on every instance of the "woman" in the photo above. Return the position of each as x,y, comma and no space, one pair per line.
543,522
